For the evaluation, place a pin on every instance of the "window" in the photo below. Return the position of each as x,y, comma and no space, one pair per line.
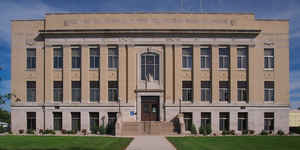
76,58
57,120
94,120
112,90
149,66
31,91
58,57
205,57
187,90
205,91
269,121
76,91
94,91
269,91
224,121
94,58
242,91
111,124
113,58
187,58
224,91
75,121
242,121
205,119
31,58
188,120
58,91
224,57
31,120
269,58
242,58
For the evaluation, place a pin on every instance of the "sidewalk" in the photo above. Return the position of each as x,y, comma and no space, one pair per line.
150,143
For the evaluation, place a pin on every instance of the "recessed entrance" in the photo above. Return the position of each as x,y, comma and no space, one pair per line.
150,108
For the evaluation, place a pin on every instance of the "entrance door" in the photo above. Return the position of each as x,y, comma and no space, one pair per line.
150,108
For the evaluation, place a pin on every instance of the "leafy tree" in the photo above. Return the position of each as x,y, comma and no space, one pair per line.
4,115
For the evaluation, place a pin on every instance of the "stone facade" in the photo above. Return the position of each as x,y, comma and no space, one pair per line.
164,34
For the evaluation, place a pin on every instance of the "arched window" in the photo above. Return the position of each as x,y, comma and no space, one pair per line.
149,66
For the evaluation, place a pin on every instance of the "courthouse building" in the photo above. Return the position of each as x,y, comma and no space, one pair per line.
76,71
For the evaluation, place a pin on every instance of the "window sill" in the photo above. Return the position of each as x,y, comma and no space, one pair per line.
206,102
242,69
204,69
242,102
94,102
186,102
94,69
269,102
30,70
223,69
224,102
268,69
76,102
112,69
187,69
75,69
58,69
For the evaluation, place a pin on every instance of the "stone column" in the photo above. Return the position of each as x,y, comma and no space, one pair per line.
67,55
251,74
132,76
232,72
84,120
84,74
122,73
169,80
103,74
196,74
67,120
214,74
49,75
233,120
177,71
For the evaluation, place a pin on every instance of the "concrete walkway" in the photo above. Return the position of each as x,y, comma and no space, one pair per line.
150,143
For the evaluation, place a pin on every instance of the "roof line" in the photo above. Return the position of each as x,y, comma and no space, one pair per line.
27,20
272,19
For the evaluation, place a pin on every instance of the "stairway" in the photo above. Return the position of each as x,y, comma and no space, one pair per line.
147,128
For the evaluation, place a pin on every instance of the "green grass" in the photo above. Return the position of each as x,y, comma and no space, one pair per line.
237,143
63,143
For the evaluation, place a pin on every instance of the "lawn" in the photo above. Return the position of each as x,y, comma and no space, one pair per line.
62,143
237,143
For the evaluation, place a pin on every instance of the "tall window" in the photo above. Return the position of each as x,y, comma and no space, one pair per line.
113,58
31,58
76,58
76,91
205,119
224,57
94,120
94,91
242,121
58,57
187,90
269,58
31,91
242,91
187,58
224,91
224,121
113,90
269,91
58,91
269,121
94,57
111,124
75,121
57,120
205,91
149,66
31,120
242,58
205,57
188,120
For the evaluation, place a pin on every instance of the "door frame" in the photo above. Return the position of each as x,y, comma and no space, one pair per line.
160,95
150,101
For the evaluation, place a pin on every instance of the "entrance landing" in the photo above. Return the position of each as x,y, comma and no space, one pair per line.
150,143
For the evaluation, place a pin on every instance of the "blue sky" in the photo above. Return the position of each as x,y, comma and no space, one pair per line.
267,9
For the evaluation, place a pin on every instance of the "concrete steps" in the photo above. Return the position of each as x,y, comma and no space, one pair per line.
148,128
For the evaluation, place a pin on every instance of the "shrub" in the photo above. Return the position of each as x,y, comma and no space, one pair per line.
30,131
193,129
102,129
9,132
202,131
84,131
205,130
63,131
245,132
21,131
225,132
73,131
2,130
49,132
251,132
41,131
232,132
280,132
264,132
95,130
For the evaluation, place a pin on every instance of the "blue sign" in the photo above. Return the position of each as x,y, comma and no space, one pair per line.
132,113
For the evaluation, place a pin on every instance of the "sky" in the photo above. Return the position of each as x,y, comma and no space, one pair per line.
263,9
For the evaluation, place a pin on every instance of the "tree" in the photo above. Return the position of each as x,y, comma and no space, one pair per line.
4,115
5,97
